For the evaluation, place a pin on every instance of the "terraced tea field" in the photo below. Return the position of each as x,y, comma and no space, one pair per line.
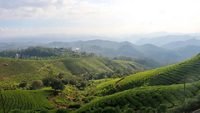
188,71
24,100
157,98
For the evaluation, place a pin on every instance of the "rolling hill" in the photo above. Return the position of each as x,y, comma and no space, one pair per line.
159,55
171,52
188,71
147,99
181,44
161,90
15,70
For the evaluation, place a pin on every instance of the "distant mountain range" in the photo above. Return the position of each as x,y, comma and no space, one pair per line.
185,49
115,49
163,40
162,50
181,44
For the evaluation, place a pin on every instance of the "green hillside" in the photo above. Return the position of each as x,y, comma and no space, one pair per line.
25,100
188,71
96,84
15,70
148,99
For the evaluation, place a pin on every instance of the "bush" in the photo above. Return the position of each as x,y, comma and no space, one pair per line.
81,84
62,111
37,84
75,106
57,84
22,84
60,75
47,81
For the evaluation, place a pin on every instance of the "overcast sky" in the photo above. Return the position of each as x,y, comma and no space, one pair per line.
98,17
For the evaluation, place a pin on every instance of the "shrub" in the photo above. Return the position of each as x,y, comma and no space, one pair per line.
62,111
47,81
75,106
57,84
22,84
60,75
81,84
37,84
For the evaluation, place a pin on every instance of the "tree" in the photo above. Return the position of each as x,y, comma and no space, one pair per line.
37,84
57,85
23,84
47,81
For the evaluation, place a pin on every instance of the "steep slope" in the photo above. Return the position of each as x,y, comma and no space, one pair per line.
159,99
188,71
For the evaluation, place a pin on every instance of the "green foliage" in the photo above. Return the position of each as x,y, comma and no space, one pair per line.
37,84
25,100
16,111
57,84
42,52
188,106
62,111
23,84
174,74
155,91
17,70
149,99
47,81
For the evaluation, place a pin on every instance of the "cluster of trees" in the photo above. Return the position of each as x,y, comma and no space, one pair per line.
57,83
54,82
42,52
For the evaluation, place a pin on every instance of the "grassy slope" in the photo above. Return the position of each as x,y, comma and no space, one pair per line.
25,100
150,89
12,70
173,74
149,96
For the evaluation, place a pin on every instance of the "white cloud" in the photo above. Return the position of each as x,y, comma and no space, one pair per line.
109,16
47,8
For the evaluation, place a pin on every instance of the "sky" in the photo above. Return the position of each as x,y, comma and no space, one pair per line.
98,17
